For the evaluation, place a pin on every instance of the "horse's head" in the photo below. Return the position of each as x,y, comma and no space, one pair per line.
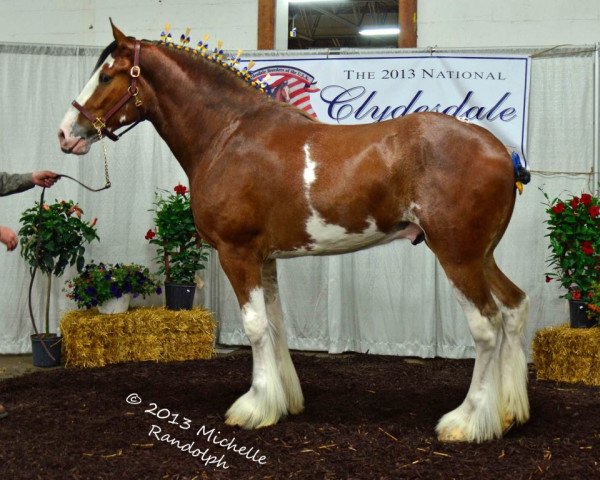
108,101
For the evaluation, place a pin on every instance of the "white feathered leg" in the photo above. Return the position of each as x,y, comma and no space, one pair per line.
478,418
265,403
513,366
287,372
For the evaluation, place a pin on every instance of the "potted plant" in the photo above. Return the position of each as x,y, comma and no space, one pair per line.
593,306
53,237
574,234
180,250
110,287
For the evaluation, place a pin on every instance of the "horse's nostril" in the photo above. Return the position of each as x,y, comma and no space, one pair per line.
63,142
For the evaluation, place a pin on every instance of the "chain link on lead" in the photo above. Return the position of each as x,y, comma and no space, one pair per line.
105,152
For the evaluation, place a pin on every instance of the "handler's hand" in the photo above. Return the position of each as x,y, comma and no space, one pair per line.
44,178
8,238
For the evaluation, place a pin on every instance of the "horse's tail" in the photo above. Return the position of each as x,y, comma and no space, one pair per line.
521,169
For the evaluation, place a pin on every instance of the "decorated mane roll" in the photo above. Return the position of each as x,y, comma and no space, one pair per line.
522,175
217,55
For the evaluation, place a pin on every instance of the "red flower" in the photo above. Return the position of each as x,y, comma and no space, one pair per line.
575,202
586,198
150,234
576,295
594,211
558,208
548,279
587,248
94,221
590,294
180,189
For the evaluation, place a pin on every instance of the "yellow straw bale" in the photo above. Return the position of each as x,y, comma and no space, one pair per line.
91,339
566,354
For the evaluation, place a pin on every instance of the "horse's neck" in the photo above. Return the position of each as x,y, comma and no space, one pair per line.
192,105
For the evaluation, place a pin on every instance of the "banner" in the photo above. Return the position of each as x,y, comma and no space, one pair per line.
491,91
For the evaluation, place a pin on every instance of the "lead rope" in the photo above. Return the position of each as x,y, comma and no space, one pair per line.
106,186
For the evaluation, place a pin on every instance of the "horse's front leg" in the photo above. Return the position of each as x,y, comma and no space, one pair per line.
287,372
265,403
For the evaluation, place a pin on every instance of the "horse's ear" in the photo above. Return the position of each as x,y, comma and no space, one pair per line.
117,34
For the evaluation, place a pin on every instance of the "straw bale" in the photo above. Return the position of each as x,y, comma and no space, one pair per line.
566,354
92,339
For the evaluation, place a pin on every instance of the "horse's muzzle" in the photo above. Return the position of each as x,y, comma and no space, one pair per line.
74,145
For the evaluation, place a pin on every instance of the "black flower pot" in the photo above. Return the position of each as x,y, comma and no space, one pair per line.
53,345
179,297
578,314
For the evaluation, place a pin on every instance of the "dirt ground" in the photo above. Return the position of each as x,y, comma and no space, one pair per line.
366,417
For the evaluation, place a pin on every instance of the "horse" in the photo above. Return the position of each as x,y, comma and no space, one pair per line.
270,182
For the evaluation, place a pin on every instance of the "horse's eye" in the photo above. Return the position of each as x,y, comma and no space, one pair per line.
104,78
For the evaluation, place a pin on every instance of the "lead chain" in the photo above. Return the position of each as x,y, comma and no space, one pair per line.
105,152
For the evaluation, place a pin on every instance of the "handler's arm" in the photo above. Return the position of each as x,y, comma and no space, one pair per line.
15,183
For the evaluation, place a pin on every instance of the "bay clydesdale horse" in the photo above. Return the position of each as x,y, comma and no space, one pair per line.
268,182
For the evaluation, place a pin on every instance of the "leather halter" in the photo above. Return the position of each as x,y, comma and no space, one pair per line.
99,123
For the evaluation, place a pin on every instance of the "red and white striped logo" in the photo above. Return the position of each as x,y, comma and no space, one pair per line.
289,85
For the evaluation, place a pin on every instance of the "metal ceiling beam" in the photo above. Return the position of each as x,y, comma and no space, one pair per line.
327,14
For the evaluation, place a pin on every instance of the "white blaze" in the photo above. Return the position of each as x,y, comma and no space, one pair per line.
70,117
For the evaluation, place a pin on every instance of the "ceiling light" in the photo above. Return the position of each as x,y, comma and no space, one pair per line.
376,32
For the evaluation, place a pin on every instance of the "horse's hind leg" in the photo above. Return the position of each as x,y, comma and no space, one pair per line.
265,403
514,305
287,372
478,418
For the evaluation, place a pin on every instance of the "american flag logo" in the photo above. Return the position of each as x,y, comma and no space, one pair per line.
289,85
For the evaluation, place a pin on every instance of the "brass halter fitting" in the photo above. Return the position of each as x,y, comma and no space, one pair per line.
99,125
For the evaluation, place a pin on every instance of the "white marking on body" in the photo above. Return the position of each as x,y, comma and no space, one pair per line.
70,117
410,214
328,237
331,238
122,119
309,171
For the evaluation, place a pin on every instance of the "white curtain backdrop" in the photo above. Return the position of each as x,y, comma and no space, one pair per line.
392,299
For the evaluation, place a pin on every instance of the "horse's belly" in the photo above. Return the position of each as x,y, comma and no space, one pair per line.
331,239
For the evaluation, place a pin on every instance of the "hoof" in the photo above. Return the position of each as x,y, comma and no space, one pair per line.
297,409
475,426
250,412
507,427
508,422
452,435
